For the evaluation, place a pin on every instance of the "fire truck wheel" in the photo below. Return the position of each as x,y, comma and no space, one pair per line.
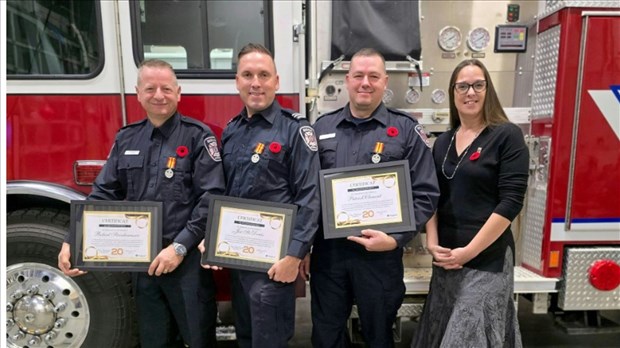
47,309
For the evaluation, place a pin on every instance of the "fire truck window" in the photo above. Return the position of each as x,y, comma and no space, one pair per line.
51,37
198,36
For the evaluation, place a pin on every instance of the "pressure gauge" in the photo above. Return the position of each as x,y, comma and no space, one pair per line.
388,95
412,96
478,39
449,38
438,96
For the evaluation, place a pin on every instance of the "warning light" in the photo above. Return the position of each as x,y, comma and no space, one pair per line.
605,275
554,259
512,14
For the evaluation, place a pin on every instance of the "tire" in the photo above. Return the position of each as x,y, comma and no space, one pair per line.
92,310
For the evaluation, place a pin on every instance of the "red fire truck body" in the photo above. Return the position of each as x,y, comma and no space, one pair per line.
574,193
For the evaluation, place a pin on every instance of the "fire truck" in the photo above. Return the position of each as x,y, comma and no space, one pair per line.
71,72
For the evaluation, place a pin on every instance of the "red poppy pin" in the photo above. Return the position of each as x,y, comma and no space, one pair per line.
182,151
392,131
275,147
474,156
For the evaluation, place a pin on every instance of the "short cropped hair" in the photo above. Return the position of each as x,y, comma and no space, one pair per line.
369,52
157,64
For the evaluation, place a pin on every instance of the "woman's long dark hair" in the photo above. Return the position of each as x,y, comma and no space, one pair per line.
492,112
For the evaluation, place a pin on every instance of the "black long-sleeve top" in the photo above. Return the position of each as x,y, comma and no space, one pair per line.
495,182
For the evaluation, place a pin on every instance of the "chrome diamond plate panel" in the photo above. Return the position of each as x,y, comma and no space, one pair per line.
554,5
534,221
575,291
528,282
545,73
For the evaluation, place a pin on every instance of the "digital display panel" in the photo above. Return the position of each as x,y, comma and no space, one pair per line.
510,38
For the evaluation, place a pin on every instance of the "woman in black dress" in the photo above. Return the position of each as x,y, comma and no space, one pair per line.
482,167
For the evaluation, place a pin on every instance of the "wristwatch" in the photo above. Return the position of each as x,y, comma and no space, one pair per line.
179,249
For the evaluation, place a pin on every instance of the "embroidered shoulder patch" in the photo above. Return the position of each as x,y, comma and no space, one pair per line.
307,134
212,149
422,134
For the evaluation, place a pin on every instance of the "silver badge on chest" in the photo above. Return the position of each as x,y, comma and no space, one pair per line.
169,173
376,158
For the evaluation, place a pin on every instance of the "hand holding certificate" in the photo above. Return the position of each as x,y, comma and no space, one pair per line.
247,234
369,196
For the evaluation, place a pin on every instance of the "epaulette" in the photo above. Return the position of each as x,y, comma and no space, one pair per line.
294,115
232,119
193,121
401,113
333,112
139,123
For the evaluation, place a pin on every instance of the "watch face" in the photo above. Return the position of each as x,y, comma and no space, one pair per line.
180,249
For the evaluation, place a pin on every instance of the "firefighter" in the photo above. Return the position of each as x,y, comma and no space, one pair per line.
270,154
367,270
172,159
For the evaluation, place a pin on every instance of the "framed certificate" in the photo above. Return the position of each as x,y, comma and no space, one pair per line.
247,234
115,235
376,196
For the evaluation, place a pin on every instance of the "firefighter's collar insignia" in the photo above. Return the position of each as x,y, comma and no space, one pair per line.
307,134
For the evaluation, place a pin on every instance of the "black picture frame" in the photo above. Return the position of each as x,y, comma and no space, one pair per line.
147,215
226,247
386,169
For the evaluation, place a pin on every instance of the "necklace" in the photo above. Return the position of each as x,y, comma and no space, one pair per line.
463,155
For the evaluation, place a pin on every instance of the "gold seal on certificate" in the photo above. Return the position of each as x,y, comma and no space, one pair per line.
112,235
368,196
247,234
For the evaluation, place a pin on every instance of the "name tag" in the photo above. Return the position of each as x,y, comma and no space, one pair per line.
327,136
132,152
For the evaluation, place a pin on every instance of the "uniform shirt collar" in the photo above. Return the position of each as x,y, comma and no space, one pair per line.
167,128
380,115
269,114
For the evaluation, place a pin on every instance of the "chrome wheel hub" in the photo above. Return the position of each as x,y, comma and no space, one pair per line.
44,308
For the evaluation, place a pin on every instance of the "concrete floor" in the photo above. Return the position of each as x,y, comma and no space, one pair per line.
537,330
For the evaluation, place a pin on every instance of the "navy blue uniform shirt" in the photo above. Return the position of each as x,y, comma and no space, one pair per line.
286,175
135,171
345,141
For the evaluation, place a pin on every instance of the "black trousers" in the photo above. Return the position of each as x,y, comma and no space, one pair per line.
264,310
341,277
181,302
